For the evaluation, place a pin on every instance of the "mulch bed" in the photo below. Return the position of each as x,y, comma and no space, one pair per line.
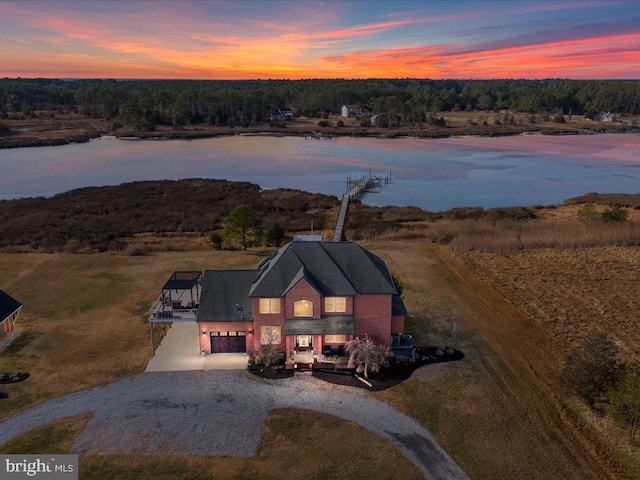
13,377
396,373
273,372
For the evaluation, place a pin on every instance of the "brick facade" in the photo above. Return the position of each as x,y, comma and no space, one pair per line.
372,316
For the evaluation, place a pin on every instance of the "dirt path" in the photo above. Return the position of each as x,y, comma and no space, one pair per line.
498,414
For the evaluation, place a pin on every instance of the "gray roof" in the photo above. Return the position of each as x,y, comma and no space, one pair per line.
332,268
328,325
182,281
222,292
8,305
397,306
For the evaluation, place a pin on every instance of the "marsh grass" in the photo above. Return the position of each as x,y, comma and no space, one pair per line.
509,235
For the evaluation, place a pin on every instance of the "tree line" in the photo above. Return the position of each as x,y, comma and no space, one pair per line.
143,104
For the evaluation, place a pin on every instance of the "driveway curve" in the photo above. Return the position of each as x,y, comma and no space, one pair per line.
218,412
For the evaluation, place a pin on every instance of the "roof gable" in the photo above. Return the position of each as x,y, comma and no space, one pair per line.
8,305
332,268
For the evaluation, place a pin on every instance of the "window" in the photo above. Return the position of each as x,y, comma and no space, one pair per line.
269,305
270,335
303,308
335,304
335,338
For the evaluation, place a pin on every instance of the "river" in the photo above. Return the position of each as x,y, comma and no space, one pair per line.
433,174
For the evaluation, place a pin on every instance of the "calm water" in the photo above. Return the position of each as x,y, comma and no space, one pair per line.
432,174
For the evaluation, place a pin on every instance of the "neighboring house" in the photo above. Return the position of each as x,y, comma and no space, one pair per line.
9,311
283,114
351,111
608,117
307,298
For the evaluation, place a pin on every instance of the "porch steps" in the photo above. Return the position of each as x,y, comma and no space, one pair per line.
303,369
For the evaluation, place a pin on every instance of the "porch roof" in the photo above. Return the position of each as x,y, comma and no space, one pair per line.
327,325
182,281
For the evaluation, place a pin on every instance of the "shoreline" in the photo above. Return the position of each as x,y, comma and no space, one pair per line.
19,141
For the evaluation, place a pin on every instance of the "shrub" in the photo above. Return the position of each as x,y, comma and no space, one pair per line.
593,367
216,240
615,214
587,212
268,355
136,250
275,235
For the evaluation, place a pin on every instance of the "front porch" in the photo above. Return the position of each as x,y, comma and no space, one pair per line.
310,358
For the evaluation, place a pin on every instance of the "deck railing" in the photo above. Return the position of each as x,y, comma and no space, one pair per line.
160,310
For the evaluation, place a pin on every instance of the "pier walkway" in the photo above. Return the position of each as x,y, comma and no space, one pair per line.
355,189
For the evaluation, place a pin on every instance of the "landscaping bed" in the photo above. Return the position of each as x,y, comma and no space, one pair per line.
272,372
13,377
396,372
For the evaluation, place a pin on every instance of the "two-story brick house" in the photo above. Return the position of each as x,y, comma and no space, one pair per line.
307,298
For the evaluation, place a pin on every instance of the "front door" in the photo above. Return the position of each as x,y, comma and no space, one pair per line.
304,341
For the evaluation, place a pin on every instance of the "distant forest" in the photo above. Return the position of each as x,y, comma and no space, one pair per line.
142,104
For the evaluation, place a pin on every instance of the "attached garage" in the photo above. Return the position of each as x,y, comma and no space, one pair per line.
228,342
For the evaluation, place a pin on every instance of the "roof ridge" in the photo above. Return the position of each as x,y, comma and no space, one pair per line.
337,264
369,254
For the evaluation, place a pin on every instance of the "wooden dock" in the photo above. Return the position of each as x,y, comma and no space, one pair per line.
355,188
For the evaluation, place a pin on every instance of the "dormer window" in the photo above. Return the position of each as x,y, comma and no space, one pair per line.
303,308
335,304
269,305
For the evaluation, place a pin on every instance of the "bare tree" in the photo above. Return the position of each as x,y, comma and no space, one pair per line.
365,355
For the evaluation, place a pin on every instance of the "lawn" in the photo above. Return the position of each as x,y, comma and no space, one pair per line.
294,444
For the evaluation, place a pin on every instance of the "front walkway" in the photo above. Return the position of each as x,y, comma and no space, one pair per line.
180,351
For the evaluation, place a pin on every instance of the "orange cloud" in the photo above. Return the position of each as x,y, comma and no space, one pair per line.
161,42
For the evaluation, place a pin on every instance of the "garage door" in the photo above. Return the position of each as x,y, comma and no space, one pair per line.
228,342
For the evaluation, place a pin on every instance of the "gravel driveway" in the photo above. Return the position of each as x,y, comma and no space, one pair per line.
220,412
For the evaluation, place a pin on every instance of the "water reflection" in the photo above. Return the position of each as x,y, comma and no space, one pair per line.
432,174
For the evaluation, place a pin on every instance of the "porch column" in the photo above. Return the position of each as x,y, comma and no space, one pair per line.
317,345
289,345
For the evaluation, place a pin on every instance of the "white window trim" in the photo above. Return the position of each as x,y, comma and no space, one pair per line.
273,306
331,304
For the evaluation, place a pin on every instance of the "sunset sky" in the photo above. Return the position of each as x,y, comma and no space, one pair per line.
320,39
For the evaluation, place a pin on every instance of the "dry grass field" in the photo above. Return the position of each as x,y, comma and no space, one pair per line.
501,412
84,316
